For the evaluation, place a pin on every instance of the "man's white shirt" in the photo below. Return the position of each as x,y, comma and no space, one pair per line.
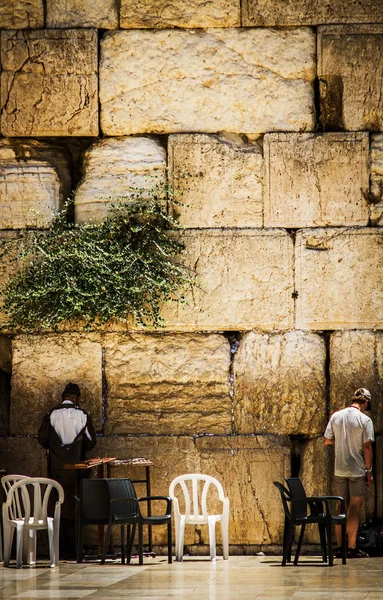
68,422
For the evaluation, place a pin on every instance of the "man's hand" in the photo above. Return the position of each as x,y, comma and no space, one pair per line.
369,478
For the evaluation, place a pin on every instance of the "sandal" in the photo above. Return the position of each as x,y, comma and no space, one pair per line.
356,553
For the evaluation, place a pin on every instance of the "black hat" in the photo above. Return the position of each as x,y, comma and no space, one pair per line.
72,389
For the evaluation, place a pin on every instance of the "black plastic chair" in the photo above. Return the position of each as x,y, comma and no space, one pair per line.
319,506
124,509
92,507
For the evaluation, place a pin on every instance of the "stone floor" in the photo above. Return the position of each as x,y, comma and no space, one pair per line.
239,578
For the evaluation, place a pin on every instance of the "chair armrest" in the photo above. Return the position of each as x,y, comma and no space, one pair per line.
167,499
325,500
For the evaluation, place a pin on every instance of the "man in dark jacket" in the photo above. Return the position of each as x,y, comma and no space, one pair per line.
67,432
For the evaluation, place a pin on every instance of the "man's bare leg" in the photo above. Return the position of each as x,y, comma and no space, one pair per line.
353,520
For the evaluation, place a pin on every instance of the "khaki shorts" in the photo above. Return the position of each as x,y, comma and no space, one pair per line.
350,486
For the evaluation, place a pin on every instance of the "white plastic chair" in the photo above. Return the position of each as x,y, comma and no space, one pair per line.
7,481
196,511
22,515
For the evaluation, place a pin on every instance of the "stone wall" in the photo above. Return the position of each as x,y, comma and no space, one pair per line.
267,118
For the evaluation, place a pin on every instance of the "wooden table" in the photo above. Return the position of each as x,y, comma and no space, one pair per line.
110,463
89,464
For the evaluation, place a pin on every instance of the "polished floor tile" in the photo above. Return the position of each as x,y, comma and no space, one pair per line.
196,578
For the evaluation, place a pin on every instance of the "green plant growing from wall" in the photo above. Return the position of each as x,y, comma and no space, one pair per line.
124,267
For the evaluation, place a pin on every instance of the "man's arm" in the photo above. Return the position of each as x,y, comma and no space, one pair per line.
43,433
367,452
328,442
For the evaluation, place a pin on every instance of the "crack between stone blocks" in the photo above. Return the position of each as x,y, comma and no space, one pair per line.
233,338
45,13
326,337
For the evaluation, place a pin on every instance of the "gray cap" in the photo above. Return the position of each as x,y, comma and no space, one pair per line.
362,392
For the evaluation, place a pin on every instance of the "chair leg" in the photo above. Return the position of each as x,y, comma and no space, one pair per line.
106,543
211,524
298,551
329,543
322,535
19,544
130,543
122,544
225,538
170,554
8,539
51,543
180,533
140,545
344,544
287,541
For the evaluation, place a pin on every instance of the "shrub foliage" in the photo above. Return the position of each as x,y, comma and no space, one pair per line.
126,266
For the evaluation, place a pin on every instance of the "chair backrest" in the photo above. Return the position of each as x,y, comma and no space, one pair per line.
298,494
122,488
196,505
34,494
94,501
16,507
285,497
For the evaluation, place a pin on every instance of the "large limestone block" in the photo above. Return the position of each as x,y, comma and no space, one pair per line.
82,13
245,280
113,169
171,455
34,183
356,360
9,266
316,180
379,477
42,366
376,197
19,14
23,455
271,13
350,72
280,384
206,79
148,14
217,181
339,278
49,83
247,466
175,384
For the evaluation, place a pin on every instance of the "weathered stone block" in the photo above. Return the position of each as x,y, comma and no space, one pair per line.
167,384
271,13
49,83
82,13
245,281
148,14
113,169
316,468
356,360
21,15
34,183
376,198
379,477
42,367
23,455
207,78
171,455
267,396
316,180
217,180
8,265
350,71
339,278
247,466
